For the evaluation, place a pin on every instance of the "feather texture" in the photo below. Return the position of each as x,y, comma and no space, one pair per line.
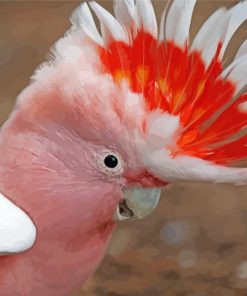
189,168
168,75
239,73
237,15
125,12
146,17
178,21
163,21
207,39
110,27
82,18
242,50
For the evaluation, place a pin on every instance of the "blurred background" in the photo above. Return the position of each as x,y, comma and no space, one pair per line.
195,243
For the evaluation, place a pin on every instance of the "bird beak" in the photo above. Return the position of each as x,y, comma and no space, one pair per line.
138,203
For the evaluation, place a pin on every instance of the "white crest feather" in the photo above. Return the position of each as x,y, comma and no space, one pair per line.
146,17
163,22
240,57
212,33
83,18
162,129
238,73
236,64
125,11
242,50
205,32
131,4
111,28
220,27
133,104
238,14
188,168
178,21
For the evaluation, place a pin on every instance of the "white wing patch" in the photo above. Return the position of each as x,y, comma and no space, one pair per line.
17,231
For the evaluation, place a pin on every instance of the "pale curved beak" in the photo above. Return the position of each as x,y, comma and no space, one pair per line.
138,203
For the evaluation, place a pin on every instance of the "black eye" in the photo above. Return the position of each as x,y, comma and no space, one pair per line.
111,161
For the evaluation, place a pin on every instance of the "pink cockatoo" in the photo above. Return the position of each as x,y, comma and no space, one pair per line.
104,124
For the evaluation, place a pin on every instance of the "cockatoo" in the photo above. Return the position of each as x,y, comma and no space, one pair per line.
108,121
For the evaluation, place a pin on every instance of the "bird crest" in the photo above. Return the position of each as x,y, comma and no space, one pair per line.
186,94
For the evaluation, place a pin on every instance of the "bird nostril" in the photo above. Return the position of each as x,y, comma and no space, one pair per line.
124,210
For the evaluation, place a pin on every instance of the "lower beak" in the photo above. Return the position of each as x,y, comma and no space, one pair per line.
138,203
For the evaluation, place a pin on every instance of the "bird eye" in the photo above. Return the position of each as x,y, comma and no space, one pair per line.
110,163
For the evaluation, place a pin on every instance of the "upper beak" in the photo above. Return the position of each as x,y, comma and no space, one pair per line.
137,203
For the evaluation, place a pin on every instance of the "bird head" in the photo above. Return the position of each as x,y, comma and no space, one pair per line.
112,118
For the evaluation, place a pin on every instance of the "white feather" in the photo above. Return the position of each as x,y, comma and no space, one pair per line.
239,73
124,11
238,14
186,168
235,64
146,17
204,35
162,129
242,50
178,21
240,56
133,104
83,18
210,35
163,22
131,4
17,231
220,27
111,28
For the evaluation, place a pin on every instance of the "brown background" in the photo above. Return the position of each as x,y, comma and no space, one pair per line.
195,244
